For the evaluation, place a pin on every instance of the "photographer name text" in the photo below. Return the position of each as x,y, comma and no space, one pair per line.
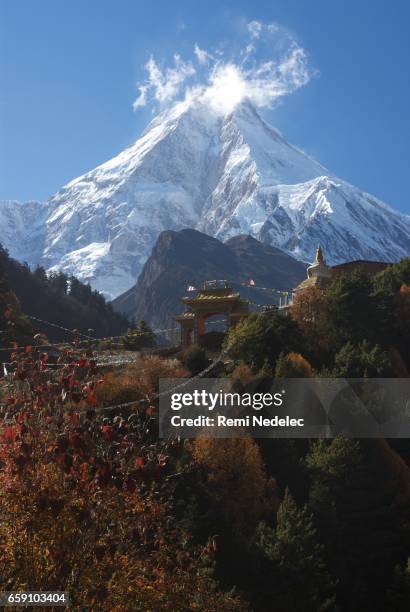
247,421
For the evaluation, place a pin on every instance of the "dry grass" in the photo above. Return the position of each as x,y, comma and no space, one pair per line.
138,381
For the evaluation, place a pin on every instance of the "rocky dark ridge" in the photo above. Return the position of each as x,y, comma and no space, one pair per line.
188,257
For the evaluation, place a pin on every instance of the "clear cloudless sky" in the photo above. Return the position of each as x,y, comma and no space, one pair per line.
68,73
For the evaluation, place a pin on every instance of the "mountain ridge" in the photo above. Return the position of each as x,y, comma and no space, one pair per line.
191,168
189,257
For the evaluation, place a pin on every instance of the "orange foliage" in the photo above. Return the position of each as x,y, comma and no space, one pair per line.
293,365
242,373
404,304
236,474
309,310
110,549
138,381
85,500
308,307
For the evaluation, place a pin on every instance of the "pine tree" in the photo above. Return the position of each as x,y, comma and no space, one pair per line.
41,275
398,594
351,308
146,332
358,360
391,294
14,327
303,581
59,282
360,496
138,337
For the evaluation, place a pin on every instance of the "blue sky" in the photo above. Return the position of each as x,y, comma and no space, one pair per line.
69,73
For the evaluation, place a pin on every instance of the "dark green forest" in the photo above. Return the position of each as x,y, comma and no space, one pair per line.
60,299
341,536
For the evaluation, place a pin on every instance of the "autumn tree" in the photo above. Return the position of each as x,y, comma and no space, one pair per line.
310,311
242,490
293,365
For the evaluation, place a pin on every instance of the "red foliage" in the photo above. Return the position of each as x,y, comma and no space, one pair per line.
84,499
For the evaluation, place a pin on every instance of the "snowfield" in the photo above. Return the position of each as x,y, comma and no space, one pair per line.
224,175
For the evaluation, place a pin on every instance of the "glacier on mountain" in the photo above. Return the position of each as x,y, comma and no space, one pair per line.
224,175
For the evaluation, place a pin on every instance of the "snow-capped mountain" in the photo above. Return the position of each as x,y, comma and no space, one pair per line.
224,175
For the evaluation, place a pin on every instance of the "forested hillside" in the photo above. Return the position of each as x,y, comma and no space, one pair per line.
14,326
59,299
93,502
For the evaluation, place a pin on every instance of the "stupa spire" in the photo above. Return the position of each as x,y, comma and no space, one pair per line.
319,256
319,268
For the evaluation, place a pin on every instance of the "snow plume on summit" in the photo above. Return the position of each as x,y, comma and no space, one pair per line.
207,161
269,65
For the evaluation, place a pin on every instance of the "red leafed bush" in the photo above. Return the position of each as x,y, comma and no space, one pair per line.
84,500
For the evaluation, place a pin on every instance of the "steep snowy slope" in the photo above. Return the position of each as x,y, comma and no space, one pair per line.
224,175
281,196
22,229
104,224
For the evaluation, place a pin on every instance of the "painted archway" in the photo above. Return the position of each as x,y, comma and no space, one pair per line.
216,298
